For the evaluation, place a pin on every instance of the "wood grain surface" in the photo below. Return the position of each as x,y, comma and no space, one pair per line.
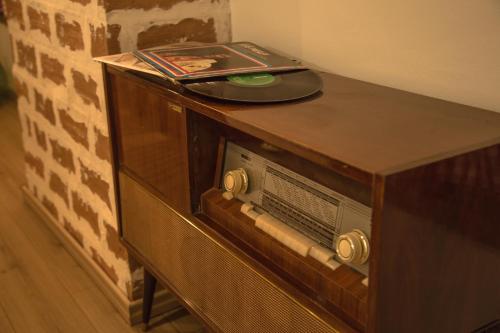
358,127
428,168
438,250
151,131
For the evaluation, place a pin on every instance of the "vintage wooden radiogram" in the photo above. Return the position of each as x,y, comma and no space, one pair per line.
361,209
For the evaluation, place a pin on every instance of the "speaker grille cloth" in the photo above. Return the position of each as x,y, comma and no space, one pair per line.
209,277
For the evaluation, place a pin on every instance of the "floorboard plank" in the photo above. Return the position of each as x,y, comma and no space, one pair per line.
22,304
165,323
34,270
71,277
5,325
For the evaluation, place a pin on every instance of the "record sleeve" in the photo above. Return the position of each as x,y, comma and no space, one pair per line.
214,60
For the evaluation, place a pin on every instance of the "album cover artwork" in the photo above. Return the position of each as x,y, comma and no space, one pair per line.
215,60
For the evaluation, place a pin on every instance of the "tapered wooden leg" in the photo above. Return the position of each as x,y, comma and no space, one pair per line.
147,301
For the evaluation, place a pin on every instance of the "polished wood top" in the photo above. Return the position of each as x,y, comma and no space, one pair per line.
365,128
376,128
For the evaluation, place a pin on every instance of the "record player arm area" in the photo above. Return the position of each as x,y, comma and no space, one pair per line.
361,209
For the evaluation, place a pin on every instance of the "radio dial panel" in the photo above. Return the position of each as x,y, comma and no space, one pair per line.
331,220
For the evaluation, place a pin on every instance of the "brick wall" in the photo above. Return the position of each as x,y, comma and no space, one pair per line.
62,108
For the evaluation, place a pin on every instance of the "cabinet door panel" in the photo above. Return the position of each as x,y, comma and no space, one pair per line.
152,140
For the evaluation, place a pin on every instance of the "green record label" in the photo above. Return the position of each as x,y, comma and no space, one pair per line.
254,79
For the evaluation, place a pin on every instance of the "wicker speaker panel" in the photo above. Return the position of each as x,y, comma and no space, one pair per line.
216,283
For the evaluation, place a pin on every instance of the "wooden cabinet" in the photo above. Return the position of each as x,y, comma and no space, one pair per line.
428,169
151,140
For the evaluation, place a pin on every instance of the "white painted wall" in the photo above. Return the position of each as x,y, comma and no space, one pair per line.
448,49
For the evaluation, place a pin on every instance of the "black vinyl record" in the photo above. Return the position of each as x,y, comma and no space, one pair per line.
260,87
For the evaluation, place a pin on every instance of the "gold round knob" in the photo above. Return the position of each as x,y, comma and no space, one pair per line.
236,181
353,247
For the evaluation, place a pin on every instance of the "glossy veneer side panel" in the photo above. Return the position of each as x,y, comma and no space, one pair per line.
438,264
152,138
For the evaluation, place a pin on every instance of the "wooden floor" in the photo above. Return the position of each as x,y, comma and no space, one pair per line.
42,288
